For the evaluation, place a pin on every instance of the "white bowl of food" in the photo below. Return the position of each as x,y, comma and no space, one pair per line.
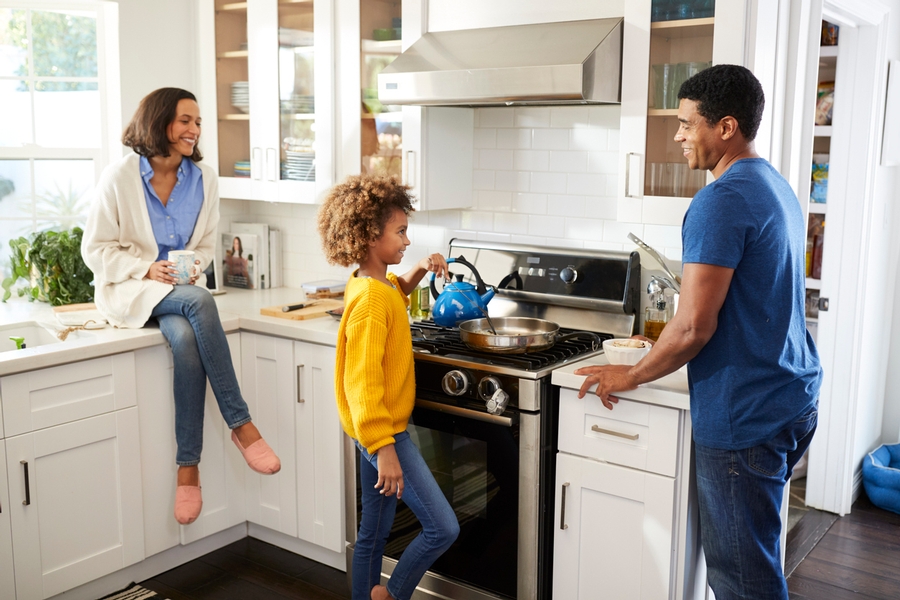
625,351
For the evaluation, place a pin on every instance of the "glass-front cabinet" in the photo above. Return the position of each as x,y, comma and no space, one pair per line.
273,68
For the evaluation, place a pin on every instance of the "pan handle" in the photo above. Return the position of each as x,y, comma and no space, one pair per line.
596,339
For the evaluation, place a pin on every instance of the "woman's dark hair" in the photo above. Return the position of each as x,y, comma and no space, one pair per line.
240,250
727,90
146,133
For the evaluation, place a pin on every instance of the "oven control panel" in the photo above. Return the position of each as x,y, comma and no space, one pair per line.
491,390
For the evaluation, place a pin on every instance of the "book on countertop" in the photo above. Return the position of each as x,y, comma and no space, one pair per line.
325,288
276,259
239,265
261,258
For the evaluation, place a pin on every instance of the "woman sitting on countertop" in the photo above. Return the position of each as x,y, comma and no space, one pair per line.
148,203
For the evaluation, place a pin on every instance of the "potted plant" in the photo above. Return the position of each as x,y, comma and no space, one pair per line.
51,263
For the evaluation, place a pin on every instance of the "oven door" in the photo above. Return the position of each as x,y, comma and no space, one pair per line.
474,457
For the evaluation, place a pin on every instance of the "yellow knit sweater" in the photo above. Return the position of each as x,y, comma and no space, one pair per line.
374,373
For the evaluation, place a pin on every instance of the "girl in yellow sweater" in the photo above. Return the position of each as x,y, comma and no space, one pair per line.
364,221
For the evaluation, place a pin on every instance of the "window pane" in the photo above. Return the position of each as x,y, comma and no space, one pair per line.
15,118
65,45
13,43
15,189
67,119
61,191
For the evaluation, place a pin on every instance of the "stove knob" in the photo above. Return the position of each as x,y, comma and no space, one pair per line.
568,275
455,383
487,387
497,404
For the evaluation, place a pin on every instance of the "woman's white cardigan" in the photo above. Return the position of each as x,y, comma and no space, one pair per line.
119,245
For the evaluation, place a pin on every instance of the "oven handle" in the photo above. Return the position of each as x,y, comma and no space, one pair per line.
466,413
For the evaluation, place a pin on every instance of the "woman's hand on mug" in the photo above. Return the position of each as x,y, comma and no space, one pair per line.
197,272
161,271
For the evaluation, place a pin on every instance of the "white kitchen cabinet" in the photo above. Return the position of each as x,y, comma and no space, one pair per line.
320,496
267,87
7,575
269,387
623,520
75,509
655,187
222,469
614,531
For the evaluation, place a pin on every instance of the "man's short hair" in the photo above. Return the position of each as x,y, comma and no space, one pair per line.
727,90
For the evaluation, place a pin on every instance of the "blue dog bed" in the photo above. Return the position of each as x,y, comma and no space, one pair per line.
881,477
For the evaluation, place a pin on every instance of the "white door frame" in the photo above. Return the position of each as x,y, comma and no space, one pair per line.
833,474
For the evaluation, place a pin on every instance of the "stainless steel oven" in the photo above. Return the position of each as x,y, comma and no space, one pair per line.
486,424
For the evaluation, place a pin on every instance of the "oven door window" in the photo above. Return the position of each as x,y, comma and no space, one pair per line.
476,464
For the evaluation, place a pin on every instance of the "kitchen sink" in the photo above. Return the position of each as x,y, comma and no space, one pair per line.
34,334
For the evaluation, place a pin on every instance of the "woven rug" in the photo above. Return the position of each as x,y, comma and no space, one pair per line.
133,592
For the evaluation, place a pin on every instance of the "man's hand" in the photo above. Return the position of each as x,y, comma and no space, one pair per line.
609,379
390,474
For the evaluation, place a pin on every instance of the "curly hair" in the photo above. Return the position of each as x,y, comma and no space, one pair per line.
727,90
356,212
147,134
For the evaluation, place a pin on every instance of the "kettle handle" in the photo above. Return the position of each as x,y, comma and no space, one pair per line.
479,283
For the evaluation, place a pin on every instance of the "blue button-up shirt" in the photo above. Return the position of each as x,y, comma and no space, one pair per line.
173,224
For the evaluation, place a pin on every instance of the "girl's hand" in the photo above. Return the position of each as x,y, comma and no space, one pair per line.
436,264
161,271
390,474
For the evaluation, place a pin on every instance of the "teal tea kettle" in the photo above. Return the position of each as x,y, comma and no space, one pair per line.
460,301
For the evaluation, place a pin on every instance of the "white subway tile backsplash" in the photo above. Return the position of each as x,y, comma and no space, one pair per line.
532,116
495,159
484,236
590,138
599,207
532,240
662,236
550,139
532,160
586,184
551,227
613,144
565,161
603,162
512,181
498,201
443,219
568,117
512,223
483,180
566,206
548,183
584,229
477,220
494,117
515,139
605,117
485,138
617,233
533,204
589,245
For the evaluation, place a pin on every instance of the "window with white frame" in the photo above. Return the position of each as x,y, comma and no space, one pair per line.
59,112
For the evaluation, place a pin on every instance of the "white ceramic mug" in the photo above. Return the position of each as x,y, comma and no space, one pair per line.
183,263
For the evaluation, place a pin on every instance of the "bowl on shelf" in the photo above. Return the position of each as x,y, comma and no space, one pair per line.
627,351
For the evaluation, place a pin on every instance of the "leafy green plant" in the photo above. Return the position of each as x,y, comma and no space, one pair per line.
51,263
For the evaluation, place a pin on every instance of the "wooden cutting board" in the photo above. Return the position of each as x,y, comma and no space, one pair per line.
310,312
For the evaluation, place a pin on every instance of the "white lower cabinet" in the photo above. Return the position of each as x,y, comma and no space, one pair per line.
320,497
269,386
75,509
614,531
222,468
7,575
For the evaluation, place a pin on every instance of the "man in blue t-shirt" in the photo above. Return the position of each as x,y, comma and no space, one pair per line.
753,369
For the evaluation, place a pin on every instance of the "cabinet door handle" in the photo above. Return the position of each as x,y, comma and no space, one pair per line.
627,436
629,159
271,164
411,168
255,167
300,399
27,499
562,507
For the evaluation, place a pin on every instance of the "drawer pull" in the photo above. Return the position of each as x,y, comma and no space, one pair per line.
562,507
300,399
27,499
627,436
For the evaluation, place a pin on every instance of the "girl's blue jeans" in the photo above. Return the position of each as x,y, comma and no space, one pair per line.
189,320
423,496
739,494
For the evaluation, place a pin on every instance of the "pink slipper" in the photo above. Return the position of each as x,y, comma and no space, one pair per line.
188,503
259,456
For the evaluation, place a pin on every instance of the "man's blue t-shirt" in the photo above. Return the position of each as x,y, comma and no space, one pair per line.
760,370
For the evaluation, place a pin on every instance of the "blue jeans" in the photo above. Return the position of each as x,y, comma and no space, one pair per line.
740,493
423,496
189,320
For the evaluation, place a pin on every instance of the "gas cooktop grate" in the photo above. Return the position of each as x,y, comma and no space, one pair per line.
430,338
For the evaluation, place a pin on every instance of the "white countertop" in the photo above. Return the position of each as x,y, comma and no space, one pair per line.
671,390
238,309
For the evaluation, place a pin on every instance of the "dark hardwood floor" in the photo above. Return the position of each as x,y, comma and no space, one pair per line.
853,557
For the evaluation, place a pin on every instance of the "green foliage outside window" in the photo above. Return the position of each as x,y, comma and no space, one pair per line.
64,45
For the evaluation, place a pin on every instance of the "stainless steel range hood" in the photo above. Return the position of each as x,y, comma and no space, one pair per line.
573,62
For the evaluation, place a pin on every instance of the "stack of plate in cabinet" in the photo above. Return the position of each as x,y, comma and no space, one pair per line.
240,95
299,166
